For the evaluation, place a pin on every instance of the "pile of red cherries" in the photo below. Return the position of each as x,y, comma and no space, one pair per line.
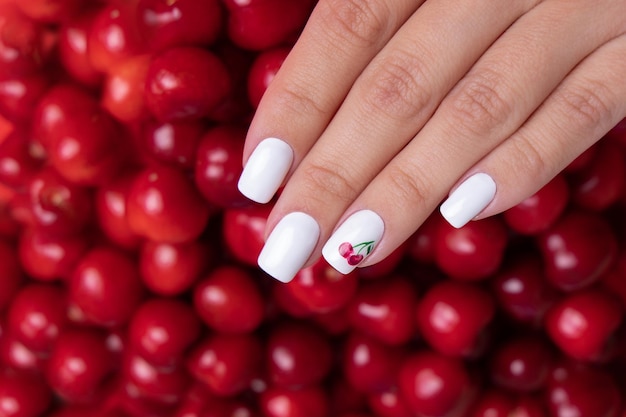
128,278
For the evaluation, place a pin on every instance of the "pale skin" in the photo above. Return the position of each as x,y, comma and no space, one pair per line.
389,105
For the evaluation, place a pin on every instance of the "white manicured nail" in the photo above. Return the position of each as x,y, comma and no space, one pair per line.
265,170
468,200
353,241
289,246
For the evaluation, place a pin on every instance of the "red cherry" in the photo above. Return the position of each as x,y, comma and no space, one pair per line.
171,269
185,83
435,385
23,395
385,310
49,11
321,288
453,316
114,36
389,403
174,143
421,246
11,273
539,211
79,365
582,323
355,259
521,364
263,71
15,355
285,402
297,355
218,166
243,230
226,363
19,96
19,161
155,330
493,403
106,287
369,365
229,300
522,290
577,250
185,22
163,205
599,184
37,316
262,24
74,48
473,252
122,94
47,257
22,45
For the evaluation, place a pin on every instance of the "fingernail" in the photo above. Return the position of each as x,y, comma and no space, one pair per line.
265,170
468,200
353,241
289,246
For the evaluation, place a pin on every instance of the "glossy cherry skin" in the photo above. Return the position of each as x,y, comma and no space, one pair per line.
522,291
226,363
389,403
421,245
435,385
19,96
165,24
79,365
59,207
582,391
122,94
321,288
262,24
582,323
47,257
11,273
297,355
218,166
114,36
74,48
369,365
171,269
111,206
38,315
492,403
600,183
229,300
577,250
157,333
285,402
522,364
385,309
243,230
472,252
263,71
106,286
185,83
15,355
163,205
49,11
173,143
19,160
453,316
539,211
22,45
23,394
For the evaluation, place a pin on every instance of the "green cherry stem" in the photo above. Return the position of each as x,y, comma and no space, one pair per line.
364,245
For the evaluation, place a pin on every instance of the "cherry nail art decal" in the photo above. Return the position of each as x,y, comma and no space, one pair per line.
364,227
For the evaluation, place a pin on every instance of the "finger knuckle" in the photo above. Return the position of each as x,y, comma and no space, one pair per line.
359,22
478,103
407,187
299,100
529,157
585,104
397,87
329,182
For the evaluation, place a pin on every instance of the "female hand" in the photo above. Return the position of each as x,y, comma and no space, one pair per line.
383,107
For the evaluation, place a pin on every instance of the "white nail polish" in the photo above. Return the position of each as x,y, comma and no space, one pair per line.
468,200
353,241
289,246
265,170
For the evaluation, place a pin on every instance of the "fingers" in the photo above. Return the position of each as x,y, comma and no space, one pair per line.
484,109
340,39
578,113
